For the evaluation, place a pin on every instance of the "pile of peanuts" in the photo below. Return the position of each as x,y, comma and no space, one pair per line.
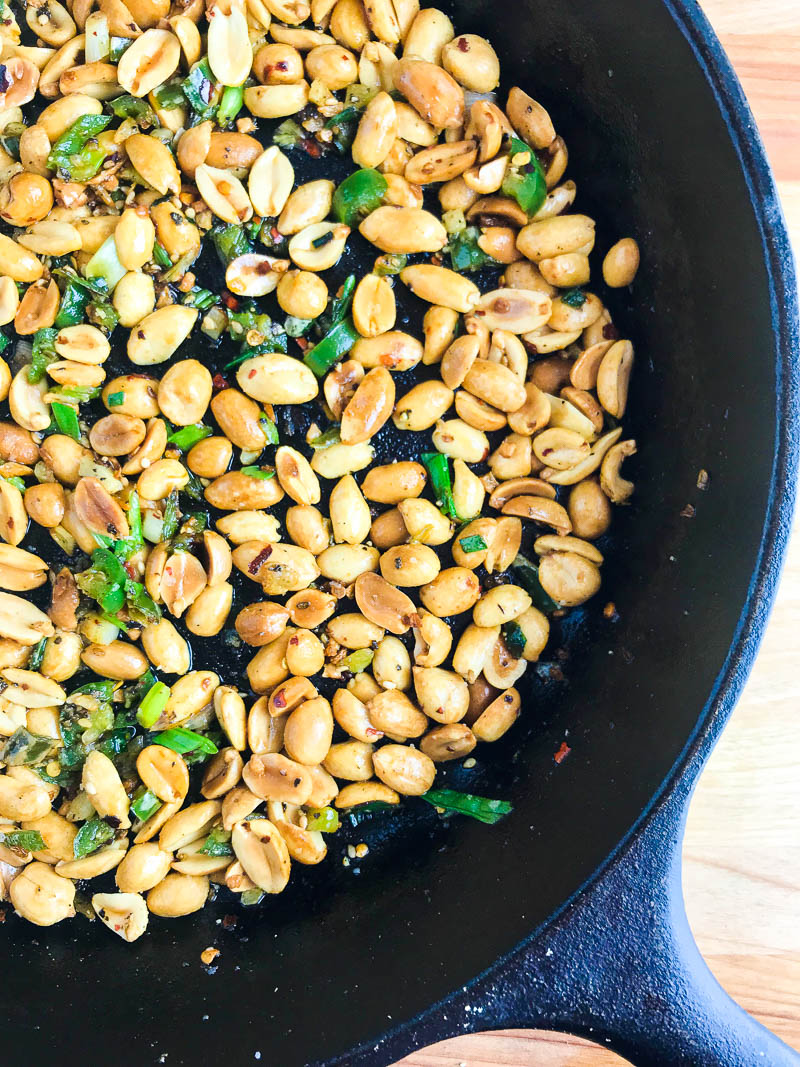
401,599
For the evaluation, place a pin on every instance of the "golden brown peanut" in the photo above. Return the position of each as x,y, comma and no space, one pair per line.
123,913
21,800
473,650
116,435
391,712
530,119
589,510
394,350
184,392
307,205
160,334
565,271
442,163
350,515
350,760
142,868
276,101
332,65
45,503
452,591
309,729
383,604
302,294
621,263
310,608
119,660
305,655
344,563
439,326
497,717
134,237
260,623
459,440
441,286
308,528
236,491
422,406
352,630
473,62
134,298
178,894
164,772
442,695
149,61
222,773
210,458
613,378
373,307
450,742
277,379
234,151
263,854
101,782
165,648
404,769
394,482
436,95
278,64
556,237
370,407
409,565
274,777
290,695
296,477
568,578
25,199
458,359
210,609
41,896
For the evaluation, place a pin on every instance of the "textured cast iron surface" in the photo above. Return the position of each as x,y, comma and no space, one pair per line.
341,958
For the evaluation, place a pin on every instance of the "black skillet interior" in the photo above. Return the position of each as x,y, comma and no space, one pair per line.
348,951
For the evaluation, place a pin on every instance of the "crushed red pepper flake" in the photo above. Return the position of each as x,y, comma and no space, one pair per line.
563,751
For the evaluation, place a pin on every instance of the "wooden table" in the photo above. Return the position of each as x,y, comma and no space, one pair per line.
742,848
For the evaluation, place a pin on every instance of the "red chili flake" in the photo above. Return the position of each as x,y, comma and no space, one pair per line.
218,383
303,344
562,753
229,922
463,44
294,640
311,148
262,557
229,300
279,700
252,373
129,567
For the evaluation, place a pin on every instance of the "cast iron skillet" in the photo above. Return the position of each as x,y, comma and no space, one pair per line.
584,877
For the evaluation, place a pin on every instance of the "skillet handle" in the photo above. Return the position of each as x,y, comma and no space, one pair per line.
621,968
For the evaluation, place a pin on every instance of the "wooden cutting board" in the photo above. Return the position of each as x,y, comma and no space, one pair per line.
742,848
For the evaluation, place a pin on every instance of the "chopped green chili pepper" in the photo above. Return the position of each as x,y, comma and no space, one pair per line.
263,473
358,195
325,820
515,638
36,657
218,843
17,482
23,748
475,543
170,95
323,239
439,470
73,306
161,256
297,327
105,264
71,156
340,305
104,581
202,299
117,48
144,804
389,263
43,353
190,532
230,105
230,242
331,348
465,254
66,418
171,516
269,428
288,134
5,341
359,660
188,436
133,107
103,690
331,436
81,393
179,739
140,605
202,91
152,705
574,298
525,182
364,812
528,577
115,399
102,314
92,835
481,808
27,840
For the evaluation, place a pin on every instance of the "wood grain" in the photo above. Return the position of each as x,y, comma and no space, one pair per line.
742,848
